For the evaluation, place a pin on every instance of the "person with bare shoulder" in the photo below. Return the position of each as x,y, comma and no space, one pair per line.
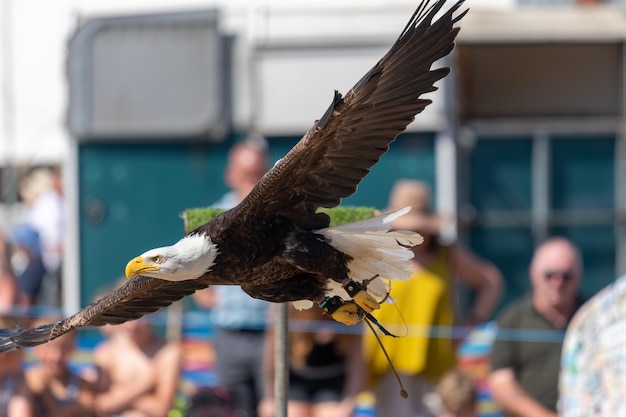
138,372
58,390
9,292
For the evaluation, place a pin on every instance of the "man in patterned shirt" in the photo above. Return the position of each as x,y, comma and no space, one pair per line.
593,362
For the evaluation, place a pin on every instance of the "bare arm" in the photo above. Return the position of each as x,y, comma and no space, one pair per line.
118,398
480,275
356,374
158,402
39,383
21,402
20,406
8,284
114,397
512,397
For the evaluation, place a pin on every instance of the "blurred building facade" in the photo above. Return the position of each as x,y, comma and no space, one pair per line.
524,139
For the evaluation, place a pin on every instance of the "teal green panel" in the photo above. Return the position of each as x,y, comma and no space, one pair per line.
131,198
597,245
510,249
583,173
278,147
410,156
501,175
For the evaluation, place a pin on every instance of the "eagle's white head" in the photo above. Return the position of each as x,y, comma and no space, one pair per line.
190,258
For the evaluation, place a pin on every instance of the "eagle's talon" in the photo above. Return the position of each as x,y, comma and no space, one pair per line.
330,304
346,312
366,301
360,296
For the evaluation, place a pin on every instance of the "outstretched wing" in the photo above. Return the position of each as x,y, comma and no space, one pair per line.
137,297
324,167
328,163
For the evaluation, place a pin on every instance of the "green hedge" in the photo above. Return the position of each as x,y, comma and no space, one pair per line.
339,215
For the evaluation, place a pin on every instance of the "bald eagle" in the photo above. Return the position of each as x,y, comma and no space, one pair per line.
275,244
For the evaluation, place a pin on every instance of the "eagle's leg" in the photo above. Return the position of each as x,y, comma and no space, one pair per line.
348,312
312,253
360,296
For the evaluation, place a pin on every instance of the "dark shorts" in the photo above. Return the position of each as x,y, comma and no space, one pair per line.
316,390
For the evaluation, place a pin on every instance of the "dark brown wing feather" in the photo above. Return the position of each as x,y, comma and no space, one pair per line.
338,151
324,167
137,297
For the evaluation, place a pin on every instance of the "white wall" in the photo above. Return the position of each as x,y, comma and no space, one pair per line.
32,80
32,67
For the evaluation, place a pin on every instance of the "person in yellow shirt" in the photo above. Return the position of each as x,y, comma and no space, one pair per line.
422,304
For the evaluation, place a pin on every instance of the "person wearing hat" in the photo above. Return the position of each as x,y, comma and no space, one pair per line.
422,304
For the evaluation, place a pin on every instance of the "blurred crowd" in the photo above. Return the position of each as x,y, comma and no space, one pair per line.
33,245
136,372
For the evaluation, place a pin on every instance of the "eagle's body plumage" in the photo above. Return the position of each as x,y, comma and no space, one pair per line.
275,244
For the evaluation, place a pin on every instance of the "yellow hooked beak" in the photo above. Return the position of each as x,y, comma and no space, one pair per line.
137,267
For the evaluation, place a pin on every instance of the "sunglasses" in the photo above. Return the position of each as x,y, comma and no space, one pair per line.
566,275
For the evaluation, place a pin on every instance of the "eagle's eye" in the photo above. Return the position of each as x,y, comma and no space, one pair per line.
158,259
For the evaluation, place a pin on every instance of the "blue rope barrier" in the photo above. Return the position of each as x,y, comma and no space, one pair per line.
202,320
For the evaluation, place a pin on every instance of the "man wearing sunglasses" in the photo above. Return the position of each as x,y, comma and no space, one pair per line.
525,358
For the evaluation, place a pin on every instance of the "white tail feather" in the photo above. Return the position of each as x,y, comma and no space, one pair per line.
376,251
361,270
375,223
302,304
